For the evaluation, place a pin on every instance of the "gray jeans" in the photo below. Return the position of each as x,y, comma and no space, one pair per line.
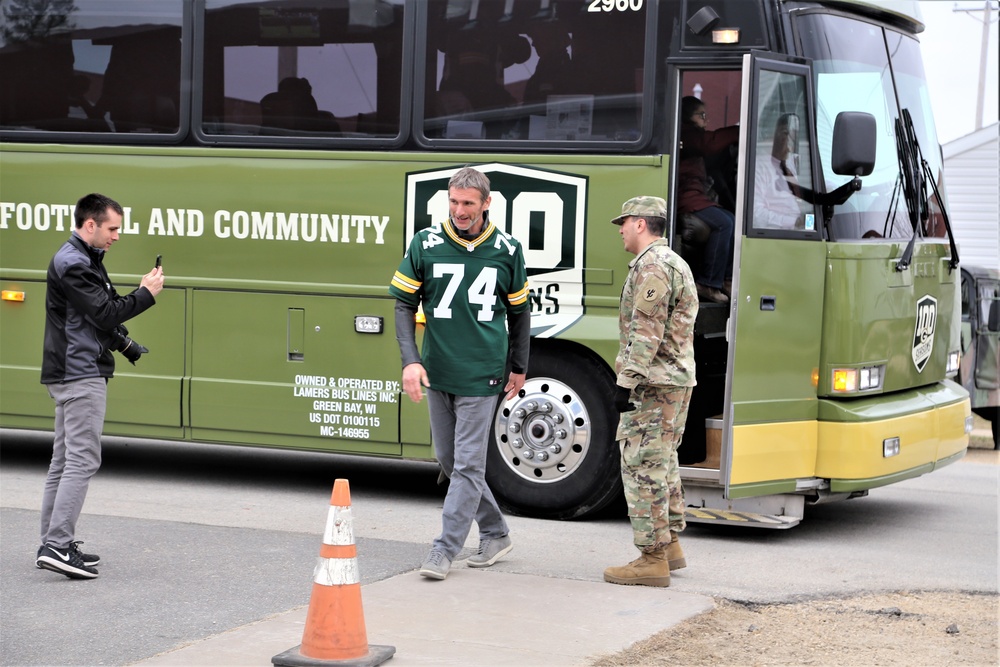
76,455
460,427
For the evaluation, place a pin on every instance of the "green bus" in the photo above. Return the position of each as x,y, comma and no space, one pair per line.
279,154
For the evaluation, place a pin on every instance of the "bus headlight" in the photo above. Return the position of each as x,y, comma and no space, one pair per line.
954,361
850,380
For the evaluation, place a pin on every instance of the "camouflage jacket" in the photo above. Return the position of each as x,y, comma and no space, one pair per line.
659,305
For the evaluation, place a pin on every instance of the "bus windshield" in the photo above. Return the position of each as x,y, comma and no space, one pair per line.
854,72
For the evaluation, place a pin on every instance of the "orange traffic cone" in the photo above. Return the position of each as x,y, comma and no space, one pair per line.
335,623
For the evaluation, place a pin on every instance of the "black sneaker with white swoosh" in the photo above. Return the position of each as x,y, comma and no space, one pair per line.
90,560
66,561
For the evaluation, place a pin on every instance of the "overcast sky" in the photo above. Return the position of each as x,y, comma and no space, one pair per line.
952,45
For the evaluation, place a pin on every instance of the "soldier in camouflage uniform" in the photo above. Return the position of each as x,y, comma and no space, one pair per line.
656,372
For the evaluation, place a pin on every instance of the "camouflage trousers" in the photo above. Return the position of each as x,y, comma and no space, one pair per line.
648,437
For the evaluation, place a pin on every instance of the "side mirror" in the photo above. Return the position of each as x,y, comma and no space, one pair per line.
853,143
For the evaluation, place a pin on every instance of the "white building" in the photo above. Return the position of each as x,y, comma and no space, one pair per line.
972,175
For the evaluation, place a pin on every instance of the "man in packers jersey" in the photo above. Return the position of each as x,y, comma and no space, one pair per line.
656,370
469,277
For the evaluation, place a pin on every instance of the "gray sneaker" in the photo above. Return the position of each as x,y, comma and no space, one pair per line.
436,566
490,551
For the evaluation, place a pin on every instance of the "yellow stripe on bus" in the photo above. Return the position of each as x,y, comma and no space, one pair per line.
854,450
846,450
763,452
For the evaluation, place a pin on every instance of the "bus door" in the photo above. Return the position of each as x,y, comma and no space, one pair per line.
770,418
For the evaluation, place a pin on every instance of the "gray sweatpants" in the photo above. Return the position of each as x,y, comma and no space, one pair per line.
460,427
76,455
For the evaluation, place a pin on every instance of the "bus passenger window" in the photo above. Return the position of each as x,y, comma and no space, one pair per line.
533,70
91,66
326,69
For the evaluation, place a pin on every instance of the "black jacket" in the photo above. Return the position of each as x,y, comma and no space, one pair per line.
81,310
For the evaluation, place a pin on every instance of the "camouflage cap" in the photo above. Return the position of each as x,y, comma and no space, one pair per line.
642,206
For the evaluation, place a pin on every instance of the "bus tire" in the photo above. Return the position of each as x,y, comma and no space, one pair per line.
552,452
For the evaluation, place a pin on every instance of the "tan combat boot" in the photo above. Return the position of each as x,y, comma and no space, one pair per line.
649,569
675,555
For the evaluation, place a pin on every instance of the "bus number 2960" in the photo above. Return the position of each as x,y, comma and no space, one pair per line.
615,6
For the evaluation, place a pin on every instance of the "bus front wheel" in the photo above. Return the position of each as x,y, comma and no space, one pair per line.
552,451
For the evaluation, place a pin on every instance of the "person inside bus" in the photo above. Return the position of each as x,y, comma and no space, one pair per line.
293,107
472,84
83,115
714,273
777,195
79,105
553,73
141,87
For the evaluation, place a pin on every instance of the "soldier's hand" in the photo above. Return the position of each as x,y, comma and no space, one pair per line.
622,399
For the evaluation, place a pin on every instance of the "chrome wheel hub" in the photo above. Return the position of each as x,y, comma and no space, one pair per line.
544,433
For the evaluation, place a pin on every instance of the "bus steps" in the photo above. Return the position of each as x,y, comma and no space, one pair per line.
747,519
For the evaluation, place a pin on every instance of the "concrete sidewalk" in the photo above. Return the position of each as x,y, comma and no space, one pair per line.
474,617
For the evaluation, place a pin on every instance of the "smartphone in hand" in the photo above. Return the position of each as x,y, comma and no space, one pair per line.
159,261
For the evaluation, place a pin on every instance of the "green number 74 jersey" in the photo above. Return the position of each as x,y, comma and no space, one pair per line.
466,288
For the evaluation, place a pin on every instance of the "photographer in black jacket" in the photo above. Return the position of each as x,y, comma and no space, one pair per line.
83,325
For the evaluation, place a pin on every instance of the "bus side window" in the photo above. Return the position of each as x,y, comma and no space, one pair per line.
103,67
321,70
782,167
539,71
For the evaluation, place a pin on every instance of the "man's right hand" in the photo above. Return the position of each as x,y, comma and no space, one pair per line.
153,281
414,379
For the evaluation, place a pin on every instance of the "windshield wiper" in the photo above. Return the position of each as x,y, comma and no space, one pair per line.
914,175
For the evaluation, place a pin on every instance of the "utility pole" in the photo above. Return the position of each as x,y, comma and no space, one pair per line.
984,49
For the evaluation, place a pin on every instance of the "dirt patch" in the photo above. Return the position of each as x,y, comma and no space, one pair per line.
931,628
